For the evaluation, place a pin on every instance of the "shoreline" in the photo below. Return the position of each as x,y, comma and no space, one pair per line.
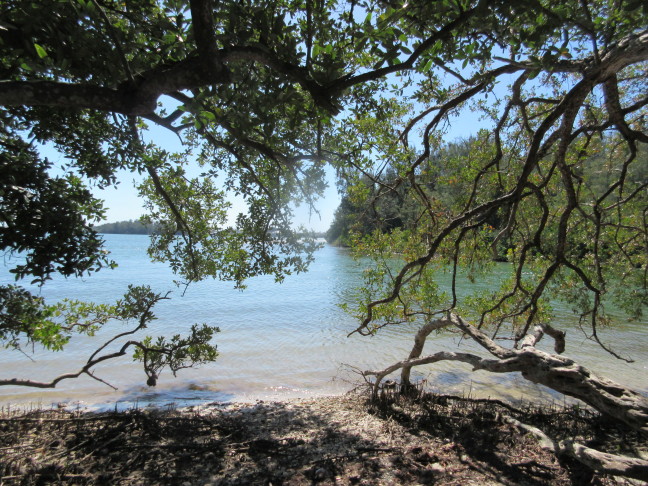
324,440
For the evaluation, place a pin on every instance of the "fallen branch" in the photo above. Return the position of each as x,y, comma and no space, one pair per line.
604,462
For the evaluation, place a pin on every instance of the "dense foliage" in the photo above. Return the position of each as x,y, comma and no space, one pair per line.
46,216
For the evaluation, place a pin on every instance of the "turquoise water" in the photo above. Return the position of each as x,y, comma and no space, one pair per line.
276,341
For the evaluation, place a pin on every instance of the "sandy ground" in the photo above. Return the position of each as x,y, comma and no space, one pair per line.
334,440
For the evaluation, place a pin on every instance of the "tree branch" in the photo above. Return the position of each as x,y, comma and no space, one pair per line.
603,462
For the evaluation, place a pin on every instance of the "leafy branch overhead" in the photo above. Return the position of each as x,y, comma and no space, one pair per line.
25,320
254,90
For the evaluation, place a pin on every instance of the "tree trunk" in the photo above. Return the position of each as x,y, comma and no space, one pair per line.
419,343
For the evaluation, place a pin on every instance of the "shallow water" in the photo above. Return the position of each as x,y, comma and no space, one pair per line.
276,341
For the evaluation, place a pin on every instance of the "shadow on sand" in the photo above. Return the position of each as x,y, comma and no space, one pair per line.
335,440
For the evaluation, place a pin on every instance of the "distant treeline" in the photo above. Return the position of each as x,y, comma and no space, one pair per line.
136,227
130,227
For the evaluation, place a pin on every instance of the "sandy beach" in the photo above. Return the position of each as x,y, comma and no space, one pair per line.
342,440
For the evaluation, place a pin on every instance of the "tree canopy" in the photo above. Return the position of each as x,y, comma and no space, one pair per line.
264,95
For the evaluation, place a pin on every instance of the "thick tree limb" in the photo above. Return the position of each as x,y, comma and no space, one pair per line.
208,66
604,462
556,372
531,339
71,95
474,360
609,463
419,343
481,338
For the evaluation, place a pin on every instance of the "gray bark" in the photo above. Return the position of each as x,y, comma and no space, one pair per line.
604,462
419,343
556,372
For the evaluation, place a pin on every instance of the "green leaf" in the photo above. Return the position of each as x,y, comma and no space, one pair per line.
40,51
427,66
207,115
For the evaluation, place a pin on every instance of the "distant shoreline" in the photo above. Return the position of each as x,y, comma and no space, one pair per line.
136,227
129,227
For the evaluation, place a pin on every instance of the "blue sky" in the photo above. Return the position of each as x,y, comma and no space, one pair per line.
123,203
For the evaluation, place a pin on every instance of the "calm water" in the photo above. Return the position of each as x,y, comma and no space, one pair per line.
276,341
